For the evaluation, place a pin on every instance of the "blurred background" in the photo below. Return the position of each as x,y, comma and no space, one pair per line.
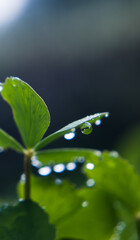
81,57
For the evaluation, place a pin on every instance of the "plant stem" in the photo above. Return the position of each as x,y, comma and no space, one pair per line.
27,169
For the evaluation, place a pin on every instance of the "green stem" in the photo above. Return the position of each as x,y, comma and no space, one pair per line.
27,170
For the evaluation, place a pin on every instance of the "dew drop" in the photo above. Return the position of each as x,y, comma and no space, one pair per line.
98,153
90,182
58,181
98,122
80,159
58,168
1,87
45,171
114,154
86,128
69,136
71,166
107,115
85,204
22,178
90,166
35,162
15,82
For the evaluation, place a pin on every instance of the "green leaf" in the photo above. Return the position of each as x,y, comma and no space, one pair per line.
48,157
67,209
29,110
117,177
6,141
59,200
70,128
25,221
95,219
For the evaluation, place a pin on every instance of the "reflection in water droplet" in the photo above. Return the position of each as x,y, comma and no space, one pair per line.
98,122
106,115
58,181
69,136
58,168
1,87
1,149
90,166
71,166
114,154
45,171
90,182
35,162
86,128
85,204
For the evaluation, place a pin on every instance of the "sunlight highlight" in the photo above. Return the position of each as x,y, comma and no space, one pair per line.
10,10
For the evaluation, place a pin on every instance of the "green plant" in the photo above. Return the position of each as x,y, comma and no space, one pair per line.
107,204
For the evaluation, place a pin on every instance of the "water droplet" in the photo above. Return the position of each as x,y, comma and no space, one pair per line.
85,204
58,181
90,182
58,168
1,149
80,159
120,226
86,128
71,166
35,162
107,115
98,153
22,178
114,154
45,171
98,122
69,136
90,166
15,82
1,87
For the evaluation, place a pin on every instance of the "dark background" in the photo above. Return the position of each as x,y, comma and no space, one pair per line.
81,57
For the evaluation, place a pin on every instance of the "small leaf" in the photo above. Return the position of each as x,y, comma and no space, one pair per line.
25,221
48,157
6,141
29,110
69,128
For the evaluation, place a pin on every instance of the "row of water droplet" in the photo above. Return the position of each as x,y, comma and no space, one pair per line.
86,128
